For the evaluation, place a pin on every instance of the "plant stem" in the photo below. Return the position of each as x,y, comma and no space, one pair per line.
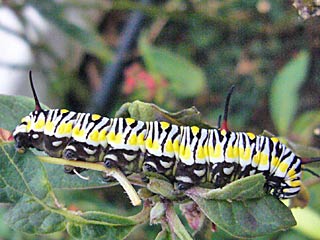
118,175
175,223
113,172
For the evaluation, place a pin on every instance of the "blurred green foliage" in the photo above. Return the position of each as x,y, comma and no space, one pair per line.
198,49
285,92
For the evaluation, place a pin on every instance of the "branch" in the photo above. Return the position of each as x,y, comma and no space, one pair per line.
113,172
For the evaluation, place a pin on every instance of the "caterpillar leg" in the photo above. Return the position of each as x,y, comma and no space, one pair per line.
72,170
187,176
80,151
57,147
282,188
223,173
54,146
182,186
285,180
162,165
275,186
127,161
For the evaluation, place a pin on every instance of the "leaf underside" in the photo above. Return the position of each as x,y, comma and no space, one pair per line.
251,218
243,209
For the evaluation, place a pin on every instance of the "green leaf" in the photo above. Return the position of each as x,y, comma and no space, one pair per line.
157,212
150,112
89,40
23,181
246,219
162,187
110,227
164,235
186,79
304,126
14,184
35,209
5,231
68,181
17,106
242,208
243,189
307,218
35,216
176,224
284,91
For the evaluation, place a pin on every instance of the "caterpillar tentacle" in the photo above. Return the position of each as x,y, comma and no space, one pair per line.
185,155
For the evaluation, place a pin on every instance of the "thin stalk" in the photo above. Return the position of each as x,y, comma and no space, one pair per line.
113,172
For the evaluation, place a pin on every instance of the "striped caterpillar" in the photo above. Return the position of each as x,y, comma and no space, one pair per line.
186,155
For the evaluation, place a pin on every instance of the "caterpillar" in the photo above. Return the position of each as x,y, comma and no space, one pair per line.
186,155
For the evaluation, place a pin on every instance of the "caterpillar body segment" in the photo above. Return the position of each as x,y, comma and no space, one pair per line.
186,155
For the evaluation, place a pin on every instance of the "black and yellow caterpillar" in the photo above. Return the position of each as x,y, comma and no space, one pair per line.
186,155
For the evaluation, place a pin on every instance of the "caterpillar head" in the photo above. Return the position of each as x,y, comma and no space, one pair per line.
29,133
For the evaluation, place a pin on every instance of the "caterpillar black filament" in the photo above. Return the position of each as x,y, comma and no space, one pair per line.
186,155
